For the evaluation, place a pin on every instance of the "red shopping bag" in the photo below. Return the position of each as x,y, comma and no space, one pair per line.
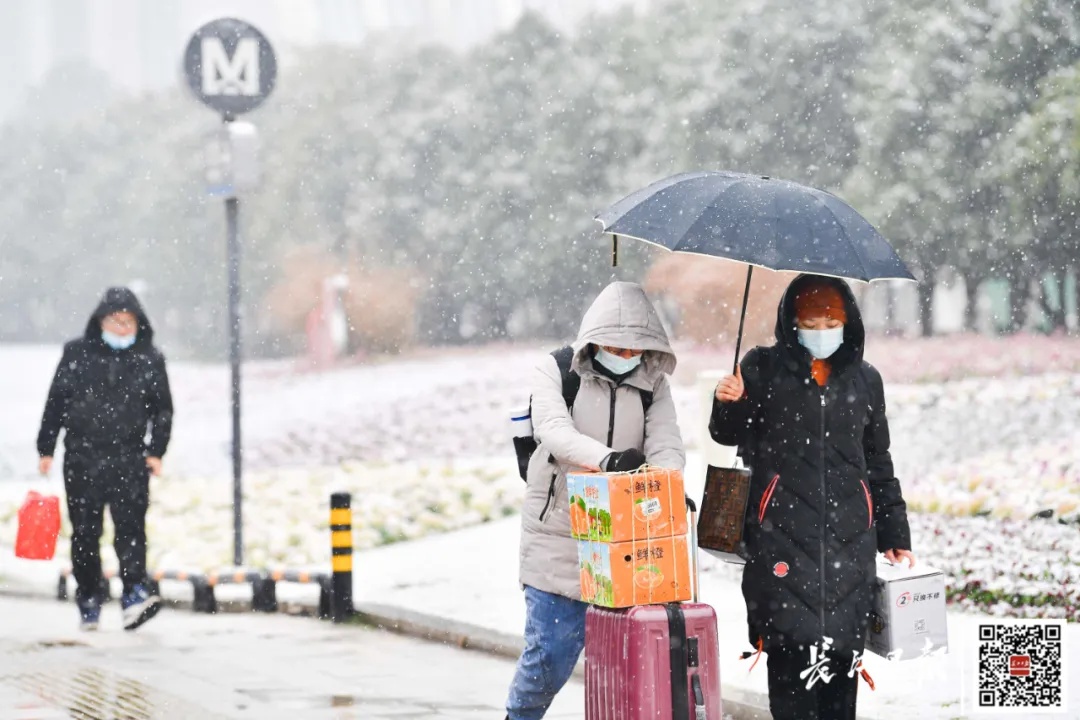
39,526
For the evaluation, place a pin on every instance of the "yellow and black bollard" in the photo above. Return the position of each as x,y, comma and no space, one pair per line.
341,560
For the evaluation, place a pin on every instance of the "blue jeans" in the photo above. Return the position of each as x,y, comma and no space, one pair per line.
554,639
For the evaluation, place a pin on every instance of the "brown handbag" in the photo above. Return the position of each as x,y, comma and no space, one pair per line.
723,513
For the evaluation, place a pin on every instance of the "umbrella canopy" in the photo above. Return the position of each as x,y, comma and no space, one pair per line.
757,220
771,223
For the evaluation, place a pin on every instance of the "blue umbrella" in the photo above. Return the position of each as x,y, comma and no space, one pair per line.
757,220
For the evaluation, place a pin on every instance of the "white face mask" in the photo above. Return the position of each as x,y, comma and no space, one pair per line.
822,343
616,364
118,342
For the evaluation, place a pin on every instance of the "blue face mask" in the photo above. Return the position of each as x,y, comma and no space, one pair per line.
822,343
118,342
616,364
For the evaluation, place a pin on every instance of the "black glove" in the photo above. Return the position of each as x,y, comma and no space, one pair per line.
624,460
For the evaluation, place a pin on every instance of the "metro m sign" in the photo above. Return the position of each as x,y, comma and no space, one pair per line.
222,75
230,66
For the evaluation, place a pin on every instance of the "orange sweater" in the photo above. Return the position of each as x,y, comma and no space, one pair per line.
821,369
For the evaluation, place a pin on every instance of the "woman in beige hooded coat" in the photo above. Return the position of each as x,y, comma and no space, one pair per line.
621,352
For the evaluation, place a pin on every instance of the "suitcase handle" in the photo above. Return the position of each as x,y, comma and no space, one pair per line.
692,507
699,699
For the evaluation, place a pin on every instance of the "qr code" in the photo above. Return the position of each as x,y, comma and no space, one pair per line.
1020,666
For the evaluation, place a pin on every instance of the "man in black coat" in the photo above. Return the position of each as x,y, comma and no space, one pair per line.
808,417
110,395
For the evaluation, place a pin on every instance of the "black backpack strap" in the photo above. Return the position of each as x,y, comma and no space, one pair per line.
646,400
571,381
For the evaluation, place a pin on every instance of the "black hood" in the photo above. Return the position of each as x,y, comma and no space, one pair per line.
787,338
120,299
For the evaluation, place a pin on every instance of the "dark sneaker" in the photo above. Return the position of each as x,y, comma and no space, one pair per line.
90,614
138,606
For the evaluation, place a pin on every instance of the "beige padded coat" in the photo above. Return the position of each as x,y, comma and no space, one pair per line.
605,418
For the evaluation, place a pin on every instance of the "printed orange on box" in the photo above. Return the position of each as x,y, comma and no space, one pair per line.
616,507
644,572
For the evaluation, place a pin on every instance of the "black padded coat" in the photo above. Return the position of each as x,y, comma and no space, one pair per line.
823,497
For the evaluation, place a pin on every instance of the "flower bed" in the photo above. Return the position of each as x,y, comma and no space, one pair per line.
1010,568
286,513
937,359
1014,484
937,427
1016,568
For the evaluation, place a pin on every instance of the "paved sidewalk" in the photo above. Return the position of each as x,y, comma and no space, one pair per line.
183,665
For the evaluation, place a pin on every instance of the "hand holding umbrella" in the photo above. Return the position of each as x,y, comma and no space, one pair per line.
731,388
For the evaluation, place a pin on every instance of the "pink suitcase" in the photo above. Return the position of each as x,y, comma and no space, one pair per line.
659,662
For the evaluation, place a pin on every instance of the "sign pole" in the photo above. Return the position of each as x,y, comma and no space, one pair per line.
232,212
231,68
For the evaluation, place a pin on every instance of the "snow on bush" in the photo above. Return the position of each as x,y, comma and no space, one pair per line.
286,512
1014,483
937,359
935,427
956,357
1018,568
1013,568
455,404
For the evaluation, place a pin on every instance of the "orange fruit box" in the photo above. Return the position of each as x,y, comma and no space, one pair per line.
617,507
644,572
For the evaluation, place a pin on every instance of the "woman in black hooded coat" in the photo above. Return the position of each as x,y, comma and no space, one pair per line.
823,500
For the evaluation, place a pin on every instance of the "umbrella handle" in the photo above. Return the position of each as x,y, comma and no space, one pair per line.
742,317
614,251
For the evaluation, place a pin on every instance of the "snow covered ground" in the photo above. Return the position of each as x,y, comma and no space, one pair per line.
421,443
449,404
454,404
943,358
